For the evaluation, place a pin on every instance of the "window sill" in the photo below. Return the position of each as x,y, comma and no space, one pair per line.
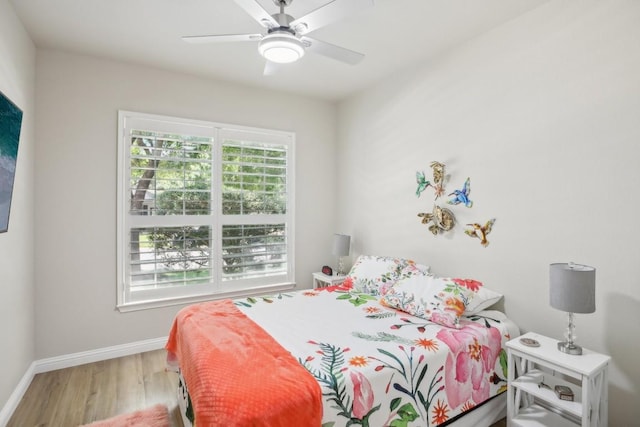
257,291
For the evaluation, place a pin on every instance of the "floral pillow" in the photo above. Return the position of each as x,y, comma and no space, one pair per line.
437,299
374,275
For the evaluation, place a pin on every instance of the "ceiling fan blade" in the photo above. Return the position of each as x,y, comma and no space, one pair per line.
256,11
332,51
223,38
327,14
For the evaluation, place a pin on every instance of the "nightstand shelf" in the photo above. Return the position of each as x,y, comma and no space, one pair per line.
527,384
538,416
321,280
530,404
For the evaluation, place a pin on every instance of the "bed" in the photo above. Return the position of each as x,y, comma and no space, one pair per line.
392,346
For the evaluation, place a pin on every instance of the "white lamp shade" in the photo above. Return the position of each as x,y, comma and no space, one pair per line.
572,287
341,243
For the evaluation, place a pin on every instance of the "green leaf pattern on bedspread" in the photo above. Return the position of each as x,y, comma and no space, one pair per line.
250,301
357,406
380,367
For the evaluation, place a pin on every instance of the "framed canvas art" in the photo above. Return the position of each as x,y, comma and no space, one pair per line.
10,124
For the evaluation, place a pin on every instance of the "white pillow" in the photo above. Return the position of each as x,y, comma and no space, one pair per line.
376,274
483,299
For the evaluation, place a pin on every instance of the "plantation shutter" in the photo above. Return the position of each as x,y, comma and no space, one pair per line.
205,209
255,221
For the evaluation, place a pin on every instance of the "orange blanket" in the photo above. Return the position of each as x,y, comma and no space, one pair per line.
237,374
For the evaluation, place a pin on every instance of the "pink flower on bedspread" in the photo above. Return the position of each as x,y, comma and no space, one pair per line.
345,286
471,284
474,350
362,395
383,288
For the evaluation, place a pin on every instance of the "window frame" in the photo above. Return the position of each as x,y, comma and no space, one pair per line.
216,288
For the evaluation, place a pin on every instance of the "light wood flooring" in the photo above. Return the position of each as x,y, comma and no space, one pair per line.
96,391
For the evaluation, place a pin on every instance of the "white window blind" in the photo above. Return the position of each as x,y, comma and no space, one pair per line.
204,209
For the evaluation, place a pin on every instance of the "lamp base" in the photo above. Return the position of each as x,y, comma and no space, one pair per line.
340,266
569,348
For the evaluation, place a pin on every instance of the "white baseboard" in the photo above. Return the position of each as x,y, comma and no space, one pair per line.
16,396
75,359
70,360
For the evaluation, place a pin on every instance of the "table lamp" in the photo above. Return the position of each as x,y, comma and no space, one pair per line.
341,244
572,288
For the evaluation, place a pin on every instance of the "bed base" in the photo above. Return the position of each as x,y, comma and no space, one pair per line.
183,402
483,415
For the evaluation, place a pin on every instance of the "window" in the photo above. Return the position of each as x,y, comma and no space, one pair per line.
204,209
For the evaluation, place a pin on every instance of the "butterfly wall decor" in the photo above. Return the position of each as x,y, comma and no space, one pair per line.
437,183
438,178
441,219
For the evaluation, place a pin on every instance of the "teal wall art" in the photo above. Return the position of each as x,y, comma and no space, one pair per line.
10,124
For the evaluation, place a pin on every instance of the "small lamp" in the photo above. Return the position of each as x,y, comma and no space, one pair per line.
341,244
572,288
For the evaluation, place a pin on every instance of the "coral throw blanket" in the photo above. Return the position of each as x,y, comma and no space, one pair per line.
237,374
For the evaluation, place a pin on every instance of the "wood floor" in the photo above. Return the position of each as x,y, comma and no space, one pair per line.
96,391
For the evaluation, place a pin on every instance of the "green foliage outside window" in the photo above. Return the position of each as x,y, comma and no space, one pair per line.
171,175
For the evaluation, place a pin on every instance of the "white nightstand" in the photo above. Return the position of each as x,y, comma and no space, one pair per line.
528,404
321,280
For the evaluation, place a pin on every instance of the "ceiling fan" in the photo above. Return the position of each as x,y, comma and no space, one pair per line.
286,40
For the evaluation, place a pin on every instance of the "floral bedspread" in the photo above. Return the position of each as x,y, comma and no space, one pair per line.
382,367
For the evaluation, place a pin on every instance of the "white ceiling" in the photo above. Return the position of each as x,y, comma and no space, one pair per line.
394,34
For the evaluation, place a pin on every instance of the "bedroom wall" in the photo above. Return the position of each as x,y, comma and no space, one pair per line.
542,114
17,82
77,104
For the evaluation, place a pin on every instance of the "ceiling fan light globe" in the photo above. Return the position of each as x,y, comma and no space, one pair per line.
281,48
